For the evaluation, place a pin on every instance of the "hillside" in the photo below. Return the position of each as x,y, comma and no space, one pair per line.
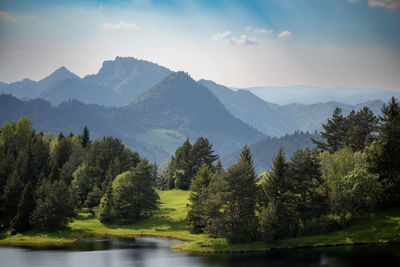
179,103
265,117
155,124
278,120
265,150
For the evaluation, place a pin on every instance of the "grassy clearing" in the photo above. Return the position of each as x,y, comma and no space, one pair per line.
169,221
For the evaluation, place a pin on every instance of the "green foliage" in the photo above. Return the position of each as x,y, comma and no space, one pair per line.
131,197
355,131
82,183
237,221
278,216
20,223
334,132
384,153
10,198
93,198
85,137
356,193
336,166
196,217
54,206
187,160
307,184
362,126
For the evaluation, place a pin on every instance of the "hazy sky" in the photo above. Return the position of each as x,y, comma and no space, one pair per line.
237,43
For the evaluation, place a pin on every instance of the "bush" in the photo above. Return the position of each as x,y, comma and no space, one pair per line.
324,224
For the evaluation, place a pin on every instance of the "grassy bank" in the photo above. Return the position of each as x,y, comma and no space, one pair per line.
169,221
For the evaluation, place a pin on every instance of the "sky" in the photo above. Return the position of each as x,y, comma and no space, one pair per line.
237,43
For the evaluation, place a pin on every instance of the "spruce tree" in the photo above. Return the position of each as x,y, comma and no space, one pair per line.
306,181
361,130
335,131
239,200
278,218
384,154
196,218
20,223
85,137
10,198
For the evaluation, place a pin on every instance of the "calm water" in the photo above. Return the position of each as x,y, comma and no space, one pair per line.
155,252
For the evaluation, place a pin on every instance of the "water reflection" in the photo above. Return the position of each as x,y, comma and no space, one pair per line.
143,252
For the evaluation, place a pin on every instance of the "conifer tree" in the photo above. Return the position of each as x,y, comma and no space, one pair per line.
335,131
237,199
20,223
278,218
362,125
85,137
196,217
10,198
384,154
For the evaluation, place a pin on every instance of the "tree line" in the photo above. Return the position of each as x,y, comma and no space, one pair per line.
45,178
355,170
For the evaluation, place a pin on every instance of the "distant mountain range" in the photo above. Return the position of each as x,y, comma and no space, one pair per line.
277,120
153,109
265,150
117,82
155,123
304,94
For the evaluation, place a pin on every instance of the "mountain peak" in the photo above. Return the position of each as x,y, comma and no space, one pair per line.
61,73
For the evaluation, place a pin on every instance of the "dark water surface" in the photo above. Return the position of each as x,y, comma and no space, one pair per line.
155,252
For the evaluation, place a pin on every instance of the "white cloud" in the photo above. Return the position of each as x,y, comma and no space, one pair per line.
5,16
223,36
120,26
262,31
230,39
389,4
248,28
353,1
284,34
245,40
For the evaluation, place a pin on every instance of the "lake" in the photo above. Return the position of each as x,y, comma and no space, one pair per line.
148,251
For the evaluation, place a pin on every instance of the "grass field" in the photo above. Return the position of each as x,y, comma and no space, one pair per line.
169,221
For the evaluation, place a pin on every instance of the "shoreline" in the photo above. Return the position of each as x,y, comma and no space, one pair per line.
39,244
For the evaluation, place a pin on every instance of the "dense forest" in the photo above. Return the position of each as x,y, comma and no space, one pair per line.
353,170
45,179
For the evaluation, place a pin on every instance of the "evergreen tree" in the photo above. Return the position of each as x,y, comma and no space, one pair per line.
304,173
85,137
196,217
10,198
54,206
361,128
40,157
20,223
335,131
278,217
237,221
202,152
384,153
181,166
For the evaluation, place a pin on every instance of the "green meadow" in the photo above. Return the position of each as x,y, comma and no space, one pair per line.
169,221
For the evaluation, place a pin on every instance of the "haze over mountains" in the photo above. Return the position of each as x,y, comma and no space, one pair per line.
153,109
305,94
